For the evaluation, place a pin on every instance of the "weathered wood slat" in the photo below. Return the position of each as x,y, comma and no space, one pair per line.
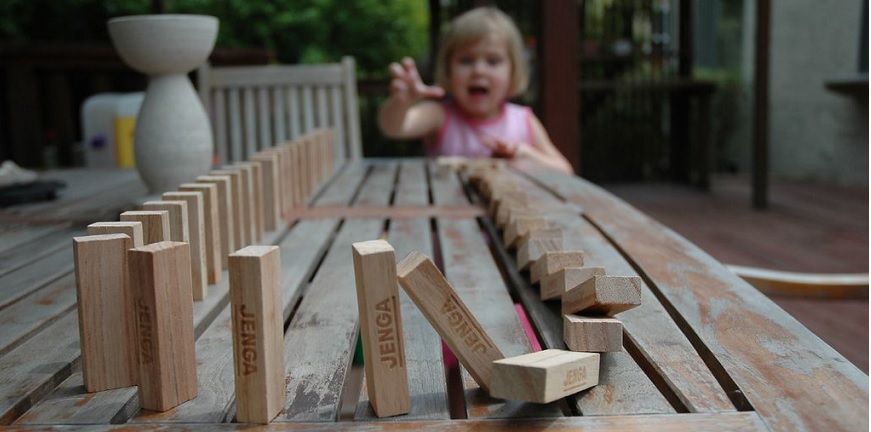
35,310
24,280
769,356
15,237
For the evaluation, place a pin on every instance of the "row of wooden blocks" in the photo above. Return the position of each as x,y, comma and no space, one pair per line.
137,278
590,297
539,377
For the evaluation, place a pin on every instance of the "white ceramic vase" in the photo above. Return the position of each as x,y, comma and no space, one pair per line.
173,139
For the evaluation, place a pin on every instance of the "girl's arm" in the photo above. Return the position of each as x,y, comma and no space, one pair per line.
540,152
406,114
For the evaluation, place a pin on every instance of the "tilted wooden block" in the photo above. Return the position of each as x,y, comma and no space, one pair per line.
240,203
592,334
155,224
509,209
178,218
160,276
227,226
269,170
535,243
554,285
197,238
381,327
133,229
544,376
607,295
211,217
519,226
258,333
107,326
453,321
552,261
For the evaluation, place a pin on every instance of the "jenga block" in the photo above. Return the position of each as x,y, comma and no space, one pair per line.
107,325
513,195
258,201
509,209
554,285
552,261
520,226
178,218
296,178
535,243
197,239
592,334
544,376
226,214
258,333
607,295
133,229
447,313
240,203
271,189
160,276
155,224
211,217
249,197
381,327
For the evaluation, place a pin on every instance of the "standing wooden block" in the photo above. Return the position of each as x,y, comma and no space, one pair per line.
607,295
160,276
107,327
521,226
271,189
258,333
381,327
288,180
538,241
197,239
296,177
178,218
227,226
592,334
554,285
544,376
132,229
211,217
552,261
249,197
257,188
240,202
453,321
155,224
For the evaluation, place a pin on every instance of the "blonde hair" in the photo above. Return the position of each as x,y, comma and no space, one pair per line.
475,25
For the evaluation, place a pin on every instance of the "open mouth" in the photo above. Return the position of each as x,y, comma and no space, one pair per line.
478,91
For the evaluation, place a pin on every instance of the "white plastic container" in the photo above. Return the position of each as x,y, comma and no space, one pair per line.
108,122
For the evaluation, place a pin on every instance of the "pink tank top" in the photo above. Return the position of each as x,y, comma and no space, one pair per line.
458,135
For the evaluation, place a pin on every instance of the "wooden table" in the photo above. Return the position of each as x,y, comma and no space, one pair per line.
704,351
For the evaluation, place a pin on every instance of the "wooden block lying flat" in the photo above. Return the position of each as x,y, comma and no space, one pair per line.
554,285
607,295
226,214
550,262
155,224
381,327
538,241
160,276
453,321
258,333
197,238
544,376
592,334
211,217
107,326
178,218
133,229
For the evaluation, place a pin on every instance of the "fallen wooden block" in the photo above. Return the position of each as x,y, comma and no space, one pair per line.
160,277
535,243
521,225
453,321
155,224
544,376
552,261
258,333
592,334
196,237
211,218
105,307
607,295
381,327
131,228
554,285
178,218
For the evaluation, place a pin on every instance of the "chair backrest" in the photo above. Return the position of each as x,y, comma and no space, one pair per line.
256,107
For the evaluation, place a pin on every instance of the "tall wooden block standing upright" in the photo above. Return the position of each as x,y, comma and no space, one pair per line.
178,218
249,197
226,214
107,327
453,321
211,218
381,327
258,348
196,237
155,224
160,276
271,189
131,228
240,221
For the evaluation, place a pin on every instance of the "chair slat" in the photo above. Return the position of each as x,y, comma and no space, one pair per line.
250,124
235,114
279,127
264,114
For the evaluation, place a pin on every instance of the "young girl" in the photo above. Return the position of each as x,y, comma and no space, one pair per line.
480,67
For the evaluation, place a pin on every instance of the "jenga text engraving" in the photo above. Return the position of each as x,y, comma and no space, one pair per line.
464,327
247,340
146,337
575,378
388,344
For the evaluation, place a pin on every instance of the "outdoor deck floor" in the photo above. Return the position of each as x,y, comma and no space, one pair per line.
807,228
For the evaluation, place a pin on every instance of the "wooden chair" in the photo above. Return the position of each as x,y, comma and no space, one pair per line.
810,285
256,107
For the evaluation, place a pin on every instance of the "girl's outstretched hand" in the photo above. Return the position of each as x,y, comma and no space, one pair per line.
407,87
499,147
